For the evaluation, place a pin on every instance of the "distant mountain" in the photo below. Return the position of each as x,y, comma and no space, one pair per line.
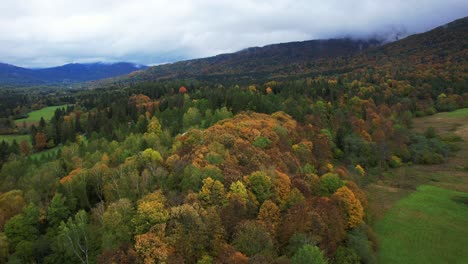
69,73
256,60
315,57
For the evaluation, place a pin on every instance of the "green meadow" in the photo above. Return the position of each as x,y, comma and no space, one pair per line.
35,116
428,226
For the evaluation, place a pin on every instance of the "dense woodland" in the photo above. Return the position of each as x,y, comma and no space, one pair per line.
216,169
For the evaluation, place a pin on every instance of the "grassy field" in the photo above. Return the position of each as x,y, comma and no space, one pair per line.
35,116
19,138
428,226
421,212
457,113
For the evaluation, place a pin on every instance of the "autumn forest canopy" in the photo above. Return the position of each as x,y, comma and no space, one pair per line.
260,156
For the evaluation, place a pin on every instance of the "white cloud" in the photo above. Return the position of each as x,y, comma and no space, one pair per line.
51,32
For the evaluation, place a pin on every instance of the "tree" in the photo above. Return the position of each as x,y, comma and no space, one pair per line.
57,211
238,189
212,192
152,247
154,126
41,141
182,90
11,203
329,183
25,148
3,248
117,224
344,255
261,185
253,238
150,211
350,206
75,238
309,254
192,118
23,227
270,216
282,185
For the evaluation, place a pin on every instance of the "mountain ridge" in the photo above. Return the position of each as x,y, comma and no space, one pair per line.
313,57
65,74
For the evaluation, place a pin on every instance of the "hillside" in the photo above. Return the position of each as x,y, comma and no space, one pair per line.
69,73
316,57
253,61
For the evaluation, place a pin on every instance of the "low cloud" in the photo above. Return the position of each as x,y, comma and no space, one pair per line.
39,33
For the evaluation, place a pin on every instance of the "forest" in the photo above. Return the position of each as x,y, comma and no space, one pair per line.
263,164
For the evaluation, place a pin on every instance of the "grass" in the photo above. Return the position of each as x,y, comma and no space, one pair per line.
9,138
35,116
457,113
428,226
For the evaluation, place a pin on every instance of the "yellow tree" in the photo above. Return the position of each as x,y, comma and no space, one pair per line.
154,126
350,206
150,212
212,192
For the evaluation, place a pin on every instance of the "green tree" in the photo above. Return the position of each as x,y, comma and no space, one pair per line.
154,126
3,248
23,227
329,183
212,192
117,224
309,254
192,118
253,238
344,255
58,210
261,185
238,189
75,238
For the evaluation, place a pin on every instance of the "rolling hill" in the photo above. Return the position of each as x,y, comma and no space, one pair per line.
69,73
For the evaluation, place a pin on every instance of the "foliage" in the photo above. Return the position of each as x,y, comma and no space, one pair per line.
74,236
262,142
150,211
329,183
261,185
308,254
253,238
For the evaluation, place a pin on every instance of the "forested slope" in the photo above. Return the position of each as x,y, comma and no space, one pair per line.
227,170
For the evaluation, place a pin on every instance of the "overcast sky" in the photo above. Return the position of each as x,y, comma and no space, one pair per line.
39,33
